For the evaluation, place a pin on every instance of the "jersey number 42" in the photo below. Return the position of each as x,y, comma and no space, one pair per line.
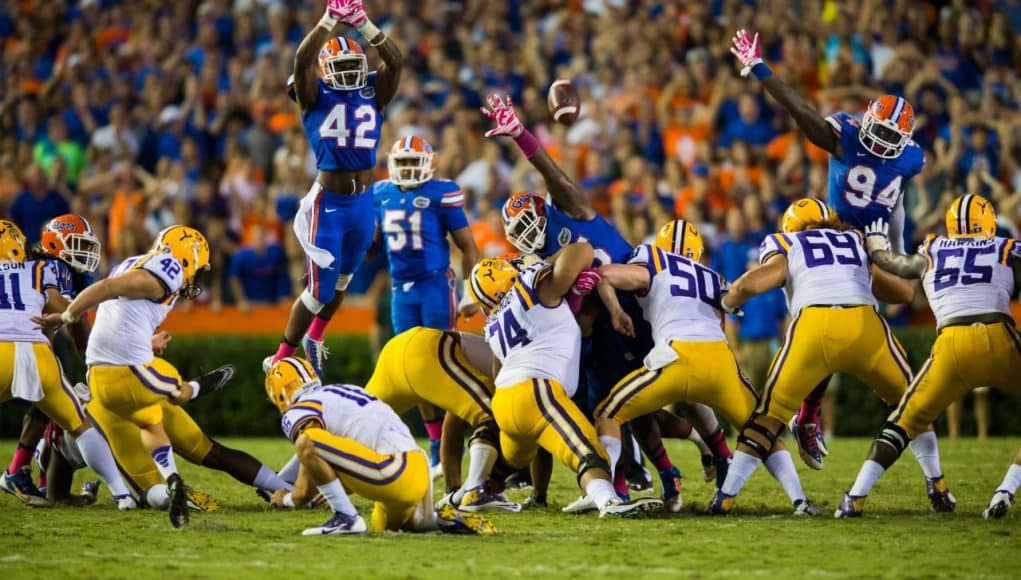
335,126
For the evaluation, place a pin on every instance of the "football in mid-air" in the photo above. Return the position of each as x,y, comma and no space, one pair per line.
563,102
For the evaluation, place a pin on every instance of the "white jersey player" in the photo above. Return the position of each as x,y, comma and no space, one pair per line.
680,298
532,332
835,328
969,277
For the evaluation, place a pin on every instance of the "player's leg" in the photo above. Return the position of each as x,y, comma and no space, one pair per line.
673,426
17,479
323,476
1002,374
1003,497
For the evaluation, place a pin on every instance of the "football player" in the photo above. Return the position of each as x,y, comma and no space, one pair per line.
533,334
425,365
347,440
691,361
829,285
127,381
71,243
968,277
341,105
416,213
870,164
28,368
543,226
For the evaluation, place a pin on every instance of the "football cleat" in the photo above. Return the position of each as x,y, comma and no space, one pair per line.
90,491
453,521
807,435
339,524
481,499
939,494
215,380
521,479
999,505
315,353
21,486
631,509
639,480
200,501
448,499
721,465
126,503
852,506
708,467
671,480
721,504
535,503
805,508
581,505
178,509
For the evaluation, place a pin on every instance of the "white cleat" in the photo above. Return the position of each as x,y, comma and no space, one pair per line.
631,509
126,503
581,505
337,525
998,505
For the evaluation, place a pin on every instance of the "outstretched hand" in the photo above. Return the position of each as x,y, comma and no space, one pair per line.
747,50
349,12
501,111
877,236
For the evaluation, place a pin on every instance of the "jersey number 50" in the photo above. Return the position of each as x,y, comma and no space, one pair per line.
861,186
699,282
335,126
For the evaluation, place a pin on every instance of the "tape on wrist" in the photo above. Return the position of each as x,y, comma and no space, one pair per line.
527,142
67,318
327,22
288,500
370,31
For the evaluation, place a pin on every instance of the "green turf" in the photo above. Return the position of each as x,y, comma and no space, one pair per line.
899,537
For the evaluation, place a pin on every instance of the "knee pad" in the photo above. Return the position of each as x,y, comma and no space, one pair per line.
894,436
314,306
592,461
343,280
756,447
487,432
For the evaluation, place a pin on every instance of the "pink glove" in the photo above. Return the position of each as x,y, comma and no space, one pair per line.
746,49
587,281
501,111
574,301
349,12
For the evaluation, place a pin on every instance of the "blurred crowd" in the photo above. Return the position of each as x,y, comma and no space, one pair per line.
143,114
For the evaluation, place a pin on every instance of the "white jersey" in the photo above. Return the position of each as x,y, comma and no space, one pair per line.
23,295
348,411
683,299
534,341
122,332
968,276
824,267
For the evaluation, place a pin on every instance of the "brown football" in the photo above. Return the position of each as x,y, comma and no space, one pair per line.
563,102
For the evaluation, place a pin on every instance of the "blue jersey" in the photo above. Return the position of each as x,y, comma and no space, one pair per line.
416,223
343,127
70,282
561,230
863,186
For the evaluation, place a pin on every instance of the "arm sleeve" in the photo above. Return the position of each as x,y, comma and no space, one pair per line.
897,227
452,208
774,244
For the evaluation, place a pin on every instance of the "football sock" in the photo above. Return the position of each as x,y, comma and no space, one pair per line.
718,444
164,458
97,455
268,479
481,458
42,480
870,473
612,446
927,453
157,497
317,329
285,350
1012,480
620,483
781,466
743,466
337,498
660,459
434,429
289,472
706,416
812,404
22,457
601,492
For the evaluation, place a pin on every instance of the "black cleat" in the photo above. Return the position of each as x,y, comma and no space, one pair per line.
215,380
178,501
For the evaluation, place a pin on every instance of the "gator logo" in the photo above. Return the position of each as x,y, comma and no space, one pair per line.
564,237
420,202
368,92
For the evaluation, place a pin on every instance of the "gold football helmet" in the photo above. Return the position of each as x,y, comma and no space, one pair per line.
190,248
12,242
805,212
286,380
490,279
971,215
681,238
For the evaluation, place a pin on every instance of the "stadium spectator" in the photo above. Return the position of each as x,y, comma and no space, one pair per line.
258,271
37,204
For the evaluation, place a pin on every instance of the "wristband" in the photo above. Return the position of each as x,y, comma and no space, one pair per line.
527,143
67,318
327,22
288,500
369,31
761,71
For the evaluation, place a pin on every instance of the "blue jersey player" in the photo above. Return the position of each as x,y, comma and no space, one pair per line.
870,163
341,110
415,213
544,225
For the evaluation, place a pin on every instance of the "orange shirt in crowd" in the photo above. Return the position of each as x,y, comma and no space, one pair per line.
125,204
679,142
777,149
728,176
489,241
270,226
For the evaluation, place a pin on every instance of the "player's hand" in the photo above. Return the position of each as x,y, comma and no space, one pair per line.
160,340
277,500
587,281
877,236
622,323
349,12
50,321
735,310
746,49
501,111
468,309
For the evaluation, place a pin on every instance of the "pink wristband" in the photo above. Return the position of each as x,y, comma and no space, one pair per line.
527,143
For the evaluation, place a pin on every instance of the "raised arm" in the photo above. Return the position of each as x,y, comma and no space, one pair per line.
767,276
877,244
567,265
566,194
818,131
306,59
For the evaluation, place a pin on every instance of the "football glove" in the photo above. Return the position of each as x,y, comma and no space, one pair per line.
877,236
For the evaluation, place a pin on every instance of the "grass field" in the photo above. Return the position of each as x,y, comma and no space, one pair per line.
899,536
